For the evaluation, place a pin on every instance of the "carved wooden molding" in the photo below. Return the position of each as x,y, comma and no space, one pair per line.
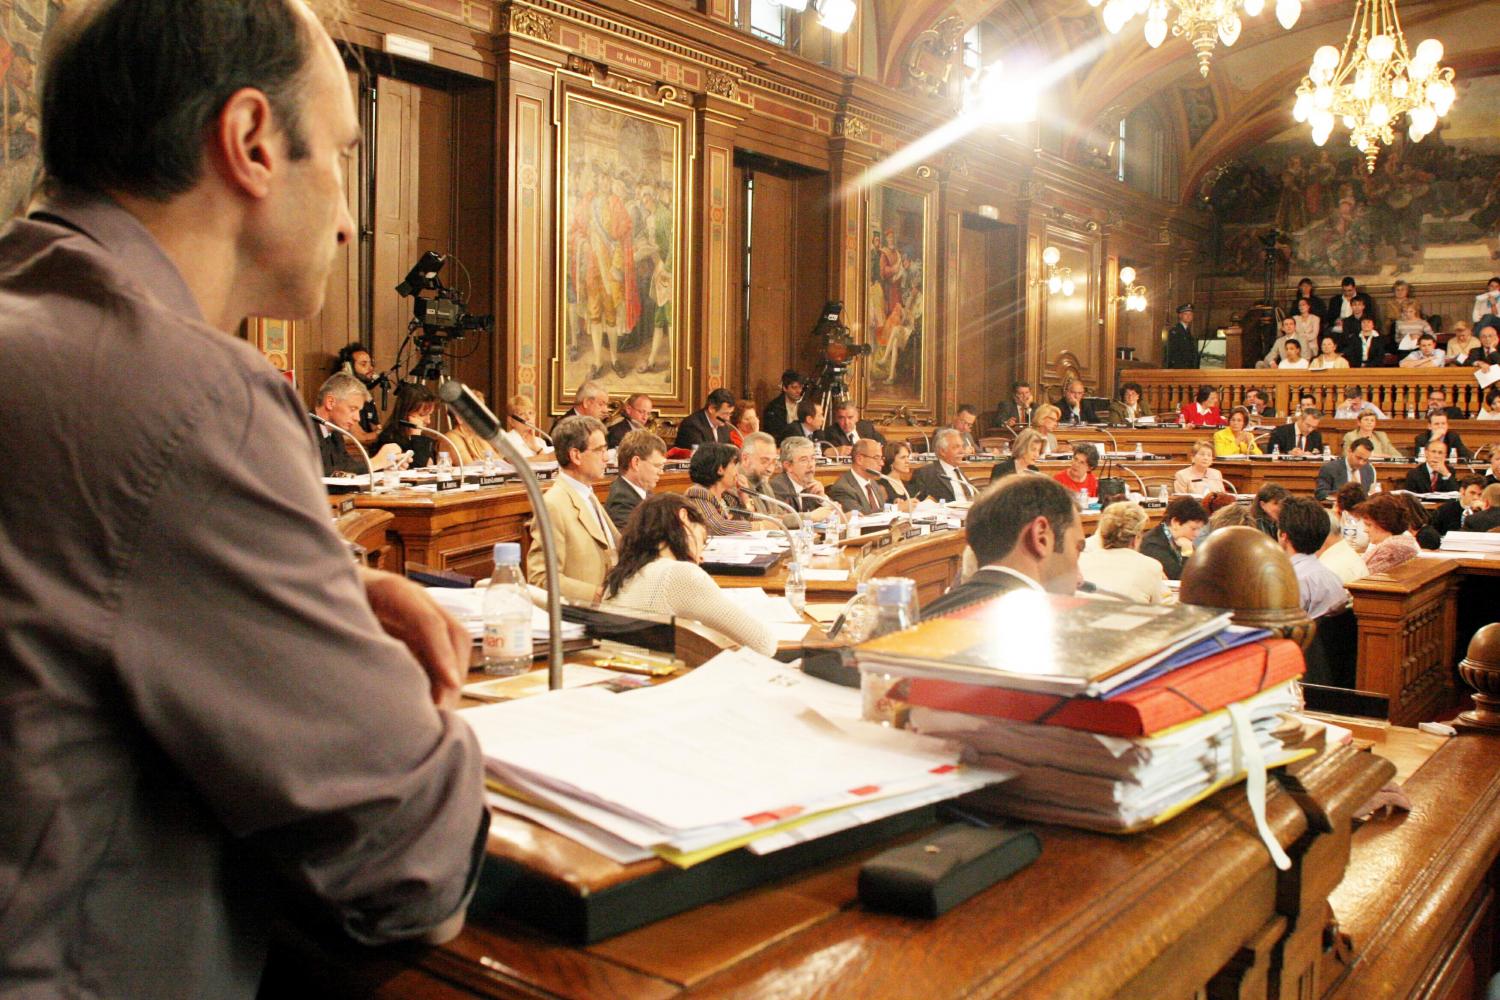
850,126
600,75
929,61
517,20
723,84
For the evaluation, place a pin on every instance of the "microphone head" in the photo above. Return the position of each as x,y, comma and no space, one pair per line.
469,409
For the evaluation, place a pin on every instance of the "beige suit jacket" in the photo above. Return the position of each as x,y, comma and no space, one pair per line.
585,552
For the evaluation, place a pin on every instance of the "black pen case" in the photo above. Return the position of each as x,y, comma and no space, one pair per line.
931,875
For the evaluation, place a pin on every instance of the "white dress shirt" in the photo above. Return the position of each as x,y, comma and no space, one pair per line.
962,488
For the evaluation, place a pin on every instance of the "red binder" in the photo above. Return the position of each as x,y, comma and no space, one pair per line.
1180,696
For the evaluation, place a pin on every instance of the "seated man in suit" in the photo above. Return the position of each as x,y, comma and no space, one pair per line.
1366,348
943,479
810,421
1025,534
847,429
1487,519
1351,467
340,399
1437,429
586,541
1433,475
860,489
708,424
781,412
635,414
1453,515
1300,437
1180,524
1437,402
964,420
796,485
1075,409
591,400
1350,302
760,460
641,457
1016,412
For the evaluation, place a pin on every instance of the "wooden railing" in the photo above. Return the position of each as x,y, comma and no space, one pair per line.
1407,633
1396,391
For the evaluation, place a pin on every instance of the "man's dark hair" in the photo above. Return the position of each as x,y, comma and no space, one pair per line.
718,398
1468,481
129,91
997,517
790,377
1348,282
1366,318
806,407
1312,411
1183,510
1204,391
572,434
1304,523
1350,495
1427,336
346,354
638,445
966,408
1362,443
709,461
1019,385
1129,386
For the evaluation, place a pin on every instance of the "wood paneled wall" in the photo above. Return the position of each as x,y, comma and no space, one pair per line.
827,125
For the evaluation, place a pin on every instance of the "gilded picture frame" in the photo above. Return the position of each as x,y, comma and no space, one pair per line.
623,246
898,246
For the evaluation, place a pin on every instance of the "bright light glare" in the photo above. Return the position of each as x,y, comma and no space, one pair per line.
1127,275
836,15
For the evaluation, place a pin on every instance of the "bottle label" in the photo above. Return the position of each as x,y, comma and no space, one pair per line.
505,640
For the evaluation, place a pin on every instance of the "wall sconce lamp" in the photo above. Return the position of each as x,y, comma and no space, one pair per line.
1134,296
1057,279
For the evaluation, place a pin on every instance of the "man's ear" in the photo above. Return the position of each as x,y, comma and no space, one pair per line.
1036,538
242,143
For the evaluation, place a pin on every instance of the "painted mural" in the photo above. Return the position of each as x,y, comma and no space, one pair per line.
22,23
1431,210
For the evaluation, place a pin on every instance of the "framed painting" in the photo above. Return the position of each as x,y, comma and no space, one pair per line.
900,368
623,252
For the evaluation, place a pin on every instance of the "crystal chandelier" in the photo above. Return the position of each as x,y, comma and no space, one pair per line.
1201,22
1373,82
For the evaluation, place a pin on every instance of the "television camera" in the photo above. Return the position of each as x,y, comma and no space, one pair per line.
438,318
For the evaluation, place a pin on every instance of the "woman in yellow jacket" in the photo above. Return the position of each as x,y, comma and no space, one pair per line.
1236,439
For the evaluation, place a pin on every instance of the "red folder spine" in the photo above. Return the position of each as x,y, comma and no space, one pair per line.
1182,695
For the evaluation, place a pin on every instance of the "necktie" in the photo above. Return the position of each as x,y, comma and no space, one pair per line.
1300,445
599,513
965,491
1434,482
870,494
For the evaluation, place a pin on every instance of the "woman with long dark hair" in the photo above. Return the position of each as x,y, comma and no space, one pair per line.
658,572
414,403
1266,508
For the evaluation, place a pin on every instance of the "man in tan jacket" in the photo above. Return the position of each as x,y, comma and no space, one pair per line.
586,541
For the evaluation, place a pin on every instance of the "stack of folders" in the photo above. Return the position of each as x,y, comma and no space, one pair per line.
1471,541
1115,717
742,752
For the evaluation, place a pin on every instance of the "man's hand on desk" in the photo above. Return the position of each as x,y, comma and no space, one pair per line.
388,457
435,638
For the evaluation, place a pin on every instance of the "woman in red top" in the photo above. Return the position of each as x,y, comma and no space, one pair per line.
1205,412
743,423
1079,476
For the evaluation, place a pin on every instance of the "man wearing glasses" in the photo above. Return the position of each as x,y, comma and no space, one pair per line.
635,415
860,489
585,539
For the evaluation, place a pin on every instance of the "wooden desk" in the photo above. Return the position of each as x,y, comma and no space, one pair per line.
1193,908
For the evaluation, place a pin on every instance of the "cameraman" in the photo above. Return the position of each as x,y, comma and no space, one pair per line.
355,359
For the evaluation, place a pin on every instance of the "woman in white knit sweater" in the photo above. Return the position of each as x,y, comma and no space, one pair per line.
658,573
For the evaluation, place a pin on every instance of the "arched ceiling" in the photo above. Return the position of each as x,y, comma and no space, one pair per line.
1246,98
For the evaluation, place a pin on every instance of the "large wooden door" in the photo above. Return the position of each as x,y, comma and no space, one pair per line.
768,313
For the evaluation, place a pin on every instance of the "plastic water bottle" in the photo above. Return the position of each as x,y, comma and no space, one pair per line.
859,616
1275,452
1452,456
795,587
507,615
1140,452
1327,452
1083,499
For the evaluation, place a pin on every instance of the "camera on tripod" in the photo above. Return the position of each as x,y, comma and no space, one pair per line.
441,316
839,351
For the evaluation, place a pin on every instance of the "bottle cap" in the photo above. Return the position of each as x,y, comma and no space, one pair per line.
894,590
507,553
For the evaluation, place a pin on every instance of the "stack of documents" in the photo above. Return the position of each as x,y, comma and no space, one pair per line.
467,605
743,751
1117,716
1471,541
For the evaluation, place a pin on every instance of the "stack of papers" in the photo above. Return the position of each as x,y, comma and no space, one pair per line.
467,605
740,749
1471,541
741,549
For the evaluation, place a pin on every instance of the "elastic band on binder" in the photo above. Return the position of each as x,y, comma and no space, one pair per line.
1248,758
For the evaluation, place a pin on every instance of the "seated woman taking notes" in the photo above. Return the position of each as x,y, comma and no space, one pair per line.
658,573
1200,478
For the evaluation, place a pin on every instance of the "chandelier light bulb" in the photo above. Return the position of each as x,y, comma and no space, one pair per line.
1095,3
1429,52
1287,12
1115,15
1127,275
1302,107
1054,284
1380,115
1156,32
1423,118
1051,256
1229,29
1441,94
1254,7
1380,48
1323,98
1327,57
1348,121
1067,286
1400,87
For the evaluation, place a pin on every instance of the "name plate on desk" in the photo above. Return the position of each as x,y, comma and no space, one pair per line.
498,479
345,506
443,486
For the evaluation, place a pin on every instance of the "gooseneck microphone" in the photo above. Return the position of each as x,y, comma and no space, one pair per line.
526,423
369,466
780,503
484,423
412,425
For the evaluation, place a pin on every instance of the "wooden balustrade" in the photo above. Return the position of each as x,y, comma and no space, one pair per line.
1396,391
1407,638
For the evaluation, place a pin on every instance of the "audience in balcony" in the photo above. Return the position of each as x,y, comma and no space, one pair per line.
1401,295
1328,355
1204,410
1487,306
1309,291
1292,356
1489,349
1200,478
1491,408
1462,345
1365,428
1237,438
1366,348
1409,327
1427,354
1307,317
1387,521
1289,334
1349,303
1437,402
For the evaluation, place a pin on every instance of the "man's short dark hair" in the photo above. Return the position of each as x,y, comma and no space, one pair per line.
1468,481
790,377
718,398
1312,411
1304,523
1354,392
709,461
1427,336
807,407
997,517
1362,443
1019,385
1348,282
1184,510
572,434
638,444
1204,391
966,408
129,91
